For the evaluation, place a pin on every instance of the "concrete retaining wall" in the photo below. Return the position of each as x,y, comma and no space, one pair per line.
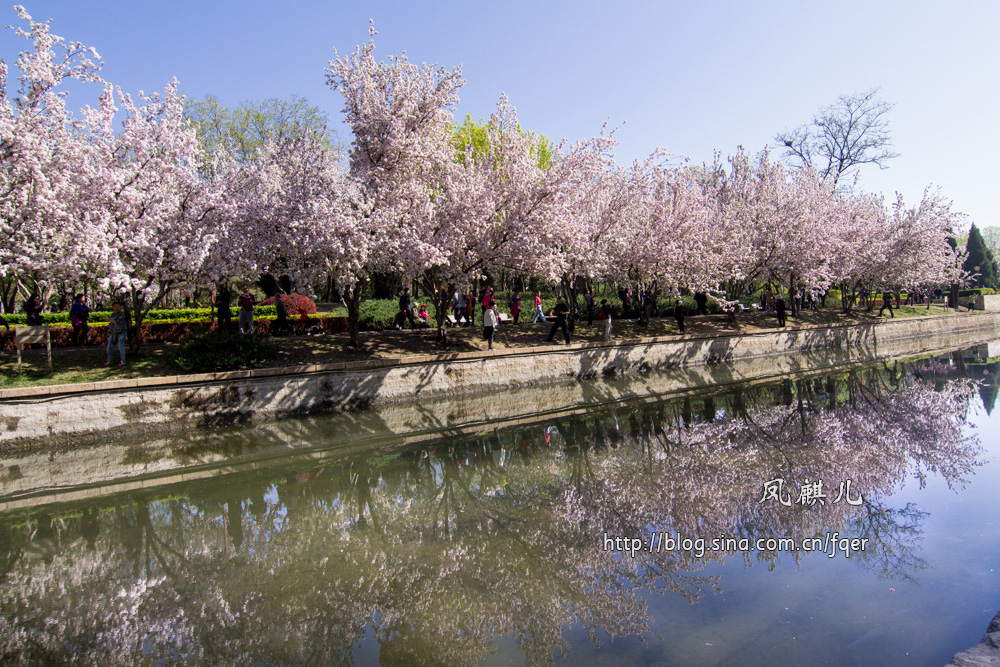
990,302
254,396
47,471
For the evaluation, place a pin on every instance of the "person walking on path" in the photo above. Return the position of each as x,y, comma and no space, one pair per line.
515,306
247,302
539,314
679,315
222,309
491,319
118,327
588,299
886,303
559,312
606,316
458,303
779,308
79,315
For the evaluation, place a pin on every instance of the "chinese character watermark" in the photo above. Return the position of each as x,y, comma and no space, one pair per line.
810,493
775,490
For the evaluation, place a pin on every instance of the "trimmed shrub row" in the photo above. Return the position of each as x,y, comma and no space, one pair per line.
164,332
172,315
222,351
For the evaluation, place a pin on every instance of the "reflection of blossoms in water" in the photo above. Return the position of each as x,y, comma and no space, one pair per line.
435,554
694,477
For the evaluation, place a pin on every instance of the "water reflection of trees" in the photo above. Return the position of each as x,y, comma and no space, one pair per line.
438,552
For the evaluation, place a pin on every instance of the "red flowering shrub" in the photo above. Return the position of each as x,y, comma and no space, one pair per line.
295,304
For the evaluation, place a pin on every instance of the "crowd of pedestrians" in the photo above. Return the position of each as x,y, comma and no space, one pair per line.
463,306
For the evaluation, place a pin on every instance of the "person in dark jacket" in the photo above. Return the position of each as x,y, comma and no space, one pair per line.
679,315
701,299
886,303
406,307
779,307
32,311
281,325
560,312
222,310
79,315
588,299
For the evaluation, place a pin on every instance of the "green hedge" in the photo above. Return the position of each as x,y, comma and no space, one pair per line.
222,351
173,315
379,314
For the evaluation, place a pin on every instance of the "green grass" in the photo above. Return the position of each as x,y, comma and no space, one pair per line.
74,365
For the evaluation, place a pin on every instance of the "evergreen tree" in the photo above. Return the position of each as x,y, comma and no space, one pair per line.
980,255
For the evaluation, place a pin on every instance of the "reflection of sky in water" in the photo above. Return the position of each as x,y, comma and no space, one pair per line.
827,611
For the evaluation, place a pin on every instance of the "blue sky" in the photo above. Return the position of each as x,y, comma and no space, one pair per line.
691,77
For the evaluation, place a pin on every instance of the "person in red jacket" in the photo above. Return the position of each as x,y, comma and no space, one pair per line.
539,314
247,302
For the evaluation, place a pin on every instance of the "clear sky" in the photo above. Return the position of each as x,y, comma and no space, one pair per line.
691,77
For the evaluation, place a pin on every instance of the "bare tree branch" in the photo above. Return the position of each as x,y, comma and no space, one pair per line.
852,131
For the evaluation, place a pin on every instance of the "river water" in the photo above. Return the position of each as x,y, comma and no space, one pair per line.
844,515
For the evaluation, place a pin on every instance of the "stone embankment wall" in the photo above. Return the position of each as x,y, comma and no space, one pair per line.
48,472
254,396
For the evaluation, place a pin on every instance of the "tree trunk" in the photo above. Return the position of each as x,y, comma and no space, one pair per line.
440,298
141,309
846,300
328,292
47,295
570,294
8,293
794,305
352,299
65,298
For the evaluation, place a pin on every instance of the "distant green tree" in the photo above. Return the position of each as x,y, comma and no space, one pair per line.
473,133
992,237
980,256
241,132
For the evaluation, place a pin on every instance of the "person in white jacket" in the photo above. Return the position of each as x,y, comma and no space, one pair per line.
491,319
